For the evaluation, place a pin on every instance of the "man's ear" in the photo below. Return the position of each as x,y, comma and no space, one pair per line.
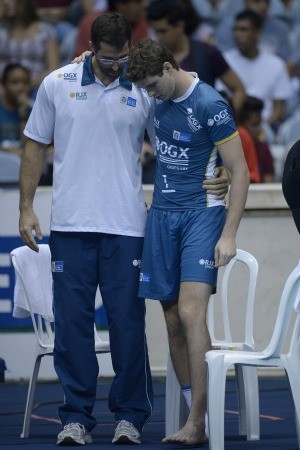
167,66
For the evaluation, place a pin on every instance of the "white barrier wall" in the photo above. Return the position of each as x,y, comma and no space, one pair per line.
267,230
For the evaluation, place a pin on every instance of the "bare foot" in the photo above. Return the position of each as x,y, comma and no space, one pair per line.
190,434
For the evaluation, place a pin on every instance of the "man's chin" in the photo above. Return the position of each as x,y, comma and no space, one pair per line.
113,76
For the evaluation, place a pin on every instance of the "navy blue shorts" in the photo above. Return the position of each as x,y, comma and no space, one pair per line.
179,246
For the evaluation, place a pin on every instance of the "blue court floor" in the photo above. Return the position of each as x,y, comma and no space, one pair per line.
277,422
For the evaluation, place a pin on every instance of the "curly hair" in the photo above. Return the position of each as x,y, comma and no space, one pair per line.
147,59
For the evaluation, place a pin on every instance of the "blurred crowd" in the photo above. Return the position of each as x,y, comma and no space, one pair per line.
247,49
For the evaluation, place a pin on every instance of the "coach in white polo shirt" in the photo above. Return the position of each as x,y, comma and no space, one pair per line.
97,120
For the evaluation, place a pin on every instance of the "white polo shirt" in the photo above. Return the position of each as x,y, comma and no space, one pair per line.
98,133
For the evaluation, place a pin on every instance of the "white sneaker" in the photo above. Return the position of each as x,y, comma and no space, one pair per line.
74,434
126,433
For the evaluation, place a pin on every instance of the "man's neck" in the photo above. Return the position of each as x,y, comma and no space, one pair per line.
250,53
183,82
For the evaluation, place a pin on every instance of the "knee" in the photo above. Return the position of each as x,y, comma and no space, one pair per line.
186,314
173,323
189,315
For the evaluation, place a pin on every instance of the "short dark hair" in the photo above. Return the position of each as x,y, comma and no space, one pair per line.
251,106
10,68
252,16
111,28
147,59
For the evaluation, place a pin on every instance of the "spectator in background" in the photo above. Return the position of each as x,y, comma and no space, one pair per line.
56,12
274,36
250,119
133,10
167,18
26,40
263,74
15,107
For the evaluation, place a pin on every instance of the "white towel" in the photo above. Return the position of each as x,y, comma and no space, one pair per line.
297,300
35,269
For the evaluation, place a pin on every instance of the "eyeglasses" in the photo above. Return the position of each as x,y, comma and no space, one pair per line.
111,62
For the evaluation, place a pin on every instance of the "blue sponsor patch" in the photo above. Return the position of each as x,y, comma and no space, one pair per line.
129,101
145,277
57,266
183,137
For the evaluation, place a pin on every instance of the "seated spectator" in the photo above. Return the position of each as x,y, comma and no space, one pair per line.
250,119
167,18
133,10
15,107
56,12
274,35
26,40
263,74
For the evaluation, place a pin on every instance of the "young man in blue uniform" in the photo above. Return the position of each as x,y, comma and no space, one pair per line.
188,234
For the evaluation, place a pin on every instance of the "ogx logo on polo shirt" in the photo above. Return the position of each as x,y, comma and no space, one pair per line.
79,95
68,76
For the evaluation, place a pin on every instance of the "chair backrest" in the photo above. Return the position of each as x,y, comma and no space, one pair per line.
9,168
290,293
42,327
252,265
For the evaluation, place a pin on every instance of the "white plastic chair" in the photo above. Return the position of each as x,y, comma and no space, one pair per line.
246,377
272,356
44,333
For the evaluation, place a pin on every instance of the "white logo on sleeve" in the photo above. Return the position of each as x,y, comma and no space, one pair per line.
219,119
206,263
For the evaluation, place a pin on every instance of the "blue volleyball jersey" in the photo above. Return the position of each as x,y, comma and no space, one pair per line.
188,129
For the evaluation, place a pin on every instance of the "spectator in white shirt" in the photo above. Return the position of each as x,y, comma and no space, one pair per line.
263,74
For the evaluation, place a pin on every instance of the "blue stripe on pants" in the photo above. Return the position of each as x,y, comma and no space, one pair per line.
111,261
